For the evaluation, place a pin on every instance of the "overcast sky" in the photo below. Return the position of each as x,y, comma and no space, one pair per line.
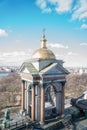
22,22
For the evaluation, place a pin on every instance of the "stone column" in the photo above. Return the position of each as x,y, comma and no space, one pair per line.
27,95
37,102
57,103
42,105
23,96
58,98
63,99
33,104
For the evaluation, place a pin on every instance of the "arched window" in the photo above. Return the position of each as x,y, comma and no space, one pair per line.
50,94
50,100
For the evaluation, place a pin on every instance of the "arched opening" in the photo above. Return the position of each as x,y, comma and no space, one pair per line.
50,101
28,98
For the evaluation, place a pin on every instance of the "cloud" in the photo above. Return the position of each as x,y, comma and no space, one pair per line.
57,45
71,54
77,9
83,44
41,3
84,26
80,11
15,57
57,5
47,10
43,6
3,33
18,41
63,6
14,54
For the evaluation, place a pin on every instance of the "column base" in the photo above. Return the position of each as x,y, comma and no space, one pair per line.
23,112
42,123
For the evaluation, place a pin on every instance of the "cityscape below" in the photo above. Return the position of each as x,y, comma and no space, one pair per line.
75,70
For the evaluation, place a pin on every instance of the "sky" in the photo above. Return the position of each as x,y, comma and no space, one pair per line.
22,22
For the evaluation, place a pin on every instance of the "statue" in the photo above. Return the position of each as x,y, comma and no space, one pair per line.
7,114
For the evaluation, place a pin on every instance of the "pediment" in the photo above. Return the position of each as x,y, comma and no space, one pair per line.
54,69
28,68
26,71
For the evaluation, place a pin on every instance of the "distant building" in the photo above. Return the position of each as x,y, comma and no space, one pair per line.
43,80
78,70
82,70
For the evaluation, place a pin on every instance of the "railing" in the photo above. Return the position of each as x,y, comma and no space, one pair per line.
13,125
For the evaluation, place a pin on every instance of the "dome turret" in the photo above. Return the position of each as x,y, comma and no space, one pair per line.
43,52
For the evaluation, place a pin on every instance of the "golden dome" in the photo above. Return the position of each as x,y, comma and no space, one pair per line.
43,52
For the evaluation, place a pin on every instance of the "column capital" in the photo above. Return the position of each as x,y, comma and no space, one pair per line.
23,81
32,85
41,84
63,83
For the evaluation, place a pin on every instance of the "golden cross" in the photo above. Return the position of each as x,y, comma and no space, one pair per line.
44,31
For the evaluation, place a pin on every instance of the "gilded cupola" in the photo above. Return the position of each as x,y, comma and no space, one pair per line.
43,52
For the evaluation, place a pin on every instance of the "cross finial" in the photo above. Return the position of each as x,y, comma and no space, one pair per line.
43,40
44,31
